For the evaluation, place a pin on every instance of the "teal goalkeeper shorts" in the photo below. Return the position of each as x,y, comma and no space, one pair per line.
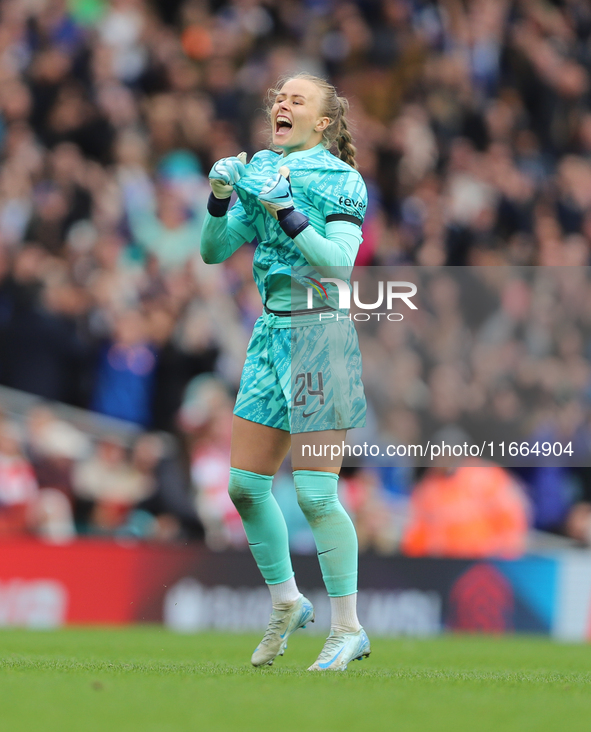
302,375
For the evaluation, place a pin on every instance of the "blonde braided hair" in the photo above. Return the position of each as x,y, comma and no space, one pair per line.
334,107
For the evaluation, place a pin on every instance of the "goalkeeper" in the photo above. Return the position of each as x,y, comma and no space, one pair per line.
302,377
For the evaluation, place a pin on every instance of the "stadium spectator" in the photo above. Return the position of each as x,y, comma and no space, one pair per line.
169,503
126,368
19,491
107,488
54,446
206,417
471,511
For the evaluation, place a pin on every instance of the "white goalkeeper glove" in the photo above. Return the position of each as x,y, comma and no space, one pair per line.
277,197
225,173
276,194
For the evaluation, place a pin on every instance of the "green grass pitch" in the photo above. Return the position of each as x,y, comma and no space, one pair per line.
151,680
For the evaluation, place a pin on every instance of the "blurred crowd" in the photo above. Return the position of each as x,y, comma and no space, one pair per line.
58,481
473,130
492,356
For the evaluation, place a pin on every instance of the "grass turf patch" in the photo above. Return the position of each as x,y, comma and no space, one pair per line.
150,680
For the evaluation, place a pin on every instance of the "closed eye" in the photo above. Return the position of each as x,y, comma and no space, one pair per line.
282,98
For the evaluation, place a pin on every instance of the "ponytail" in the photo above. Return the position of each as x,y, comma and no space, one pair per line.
344,140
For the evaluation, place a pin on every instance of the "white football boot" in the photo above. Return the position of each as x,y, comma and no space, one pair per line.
282,624
340,648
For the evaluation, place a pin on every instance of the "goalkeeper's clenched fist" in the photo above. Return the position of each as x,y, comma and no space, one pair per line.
225,173
222,178
276,194
277,197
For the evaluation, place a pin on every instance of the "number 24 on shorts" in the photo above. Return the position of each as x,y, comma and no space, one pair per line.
303,383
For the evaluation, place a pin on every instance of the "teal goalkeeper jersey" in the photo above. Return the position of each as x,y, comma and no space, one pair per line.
326,189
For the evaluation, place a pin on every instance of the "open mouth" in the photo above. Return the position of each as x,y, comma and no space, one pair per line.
282,125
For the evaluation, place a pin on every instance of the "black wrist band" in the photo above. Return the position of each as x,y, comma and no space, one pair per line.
292,222
283,213
217,207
